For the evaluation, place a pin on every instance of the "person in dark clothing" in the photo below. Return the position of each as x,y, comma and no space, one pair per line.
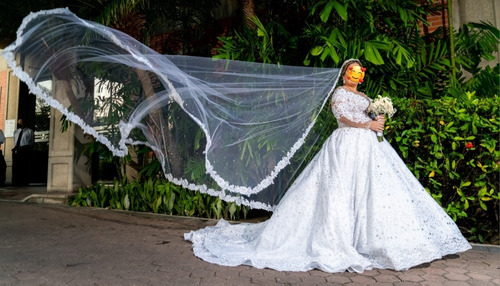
24,139
3,165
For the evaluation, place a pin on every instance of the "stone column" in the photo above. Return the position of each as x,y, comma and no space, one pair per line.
67,170
11,113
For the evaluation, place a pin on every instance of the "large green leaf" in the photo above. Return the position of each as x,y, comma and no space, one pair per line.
400,52
372,54
339,8
316,51
325,13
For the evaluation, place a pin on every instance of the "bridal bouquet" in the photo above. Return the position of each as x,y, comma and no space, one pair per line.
381,105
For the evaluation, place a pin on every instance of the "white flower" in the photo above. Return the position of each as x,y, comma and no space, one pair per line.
382,105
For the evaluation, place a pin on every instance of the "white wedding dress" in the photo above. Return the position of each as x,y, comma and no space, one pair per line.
355,207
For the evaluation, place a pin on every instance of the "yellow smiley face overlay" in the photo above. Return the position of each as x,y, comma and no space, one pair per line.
356,73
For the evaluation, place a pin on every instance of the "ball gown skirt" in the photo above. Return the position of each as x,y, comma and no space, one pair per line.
356,206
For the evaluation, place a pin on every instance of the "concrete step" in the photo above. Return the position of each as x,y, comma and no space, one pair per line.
48,198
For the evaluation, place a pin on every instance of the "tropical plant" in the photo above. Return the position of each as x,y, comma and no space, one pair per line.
385,35
178,26
157,196
127,16
270,37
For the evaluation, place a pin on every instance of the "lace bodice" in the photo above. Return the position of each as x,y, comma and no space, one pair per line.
350,108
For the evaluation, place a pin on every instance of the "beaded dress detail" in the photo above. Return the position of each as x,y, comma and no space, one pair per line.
355,207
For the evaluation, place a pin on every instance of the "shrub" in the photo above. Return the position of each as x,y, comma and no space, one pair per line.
452,147
157,196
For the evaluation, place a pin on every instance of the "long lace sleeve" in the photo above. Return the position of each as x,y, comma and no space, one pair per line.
349,109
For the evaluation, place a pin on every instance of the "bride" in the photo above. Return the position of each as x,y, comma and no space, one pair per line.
355,207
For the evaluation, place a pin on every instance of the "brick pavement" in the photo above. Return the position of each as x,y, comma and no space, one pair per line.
42,244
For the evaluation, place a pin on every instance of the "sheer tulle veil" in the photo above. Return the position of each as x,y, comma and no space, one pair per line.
232,129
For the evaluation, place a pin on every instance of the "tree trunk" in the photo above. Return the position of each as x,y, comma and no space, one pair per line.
161,127
248,9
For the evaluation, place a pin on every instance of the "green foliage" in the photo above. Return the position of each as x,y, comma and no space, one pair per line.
378,31
275,39
384,35
110,12
476,42
157,196
484,83
267,44
188,24
452,148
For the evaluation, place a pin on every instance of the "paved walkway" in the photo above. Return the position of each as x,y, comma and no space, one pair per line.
43,244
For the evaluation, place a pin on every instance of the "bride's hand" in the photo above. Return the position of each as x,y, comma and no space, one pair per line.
377,125
380,118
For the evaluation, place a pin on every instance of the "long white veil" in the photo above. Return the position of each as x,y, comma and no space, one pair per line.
227,128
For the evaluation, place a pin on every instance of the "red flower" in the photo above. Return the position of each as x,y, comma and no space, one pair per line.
468,145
